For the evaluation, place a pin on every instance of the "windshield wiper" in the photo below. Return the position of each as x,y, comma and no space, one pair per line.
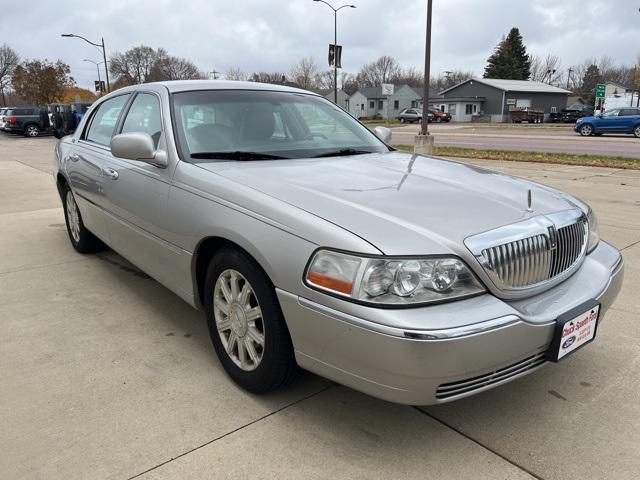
342,153
237,155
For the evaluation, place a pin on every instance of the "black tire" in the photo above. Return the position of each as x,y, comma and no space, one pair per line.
31,130
86,242
636,131
277,366
402,120
586,130
438,119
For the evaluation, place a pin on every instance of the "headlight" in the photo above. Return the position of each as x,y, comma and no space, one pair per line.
391,280
579,120
594,235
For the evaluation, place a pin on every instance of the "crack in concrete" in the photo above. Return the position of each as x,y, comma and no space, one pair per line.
231,432
480,444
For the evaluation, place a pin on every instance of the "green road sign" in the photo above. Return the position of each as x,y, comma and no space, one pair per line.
600,88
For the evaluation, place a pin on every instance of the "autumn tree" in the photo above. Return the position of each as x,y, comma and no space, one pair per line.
509,60
41,82
9,60
71,94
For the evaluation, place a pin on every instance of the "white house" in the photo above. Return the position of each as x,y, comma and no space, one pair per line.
369,101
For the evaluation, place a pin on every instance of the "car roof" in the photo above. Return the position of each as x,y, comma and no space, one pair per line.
175,86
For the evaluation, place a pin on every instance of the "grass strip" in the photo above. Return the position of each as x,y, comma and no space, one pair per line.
539,157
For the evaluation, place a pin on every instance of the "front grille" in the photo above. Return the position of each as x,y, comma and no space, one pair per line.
469,385
532,260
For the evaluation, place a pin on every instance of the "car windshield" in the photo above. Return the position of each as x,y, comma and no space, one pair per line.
256,125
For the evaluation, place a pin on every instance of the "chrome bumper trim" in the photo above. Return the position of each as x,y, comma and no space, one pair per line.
439,334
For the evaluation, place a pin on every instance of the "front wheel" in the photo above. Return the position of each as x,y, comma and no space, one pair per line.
586,130
31,131
402,120
636,131
245,323
81,239
438,119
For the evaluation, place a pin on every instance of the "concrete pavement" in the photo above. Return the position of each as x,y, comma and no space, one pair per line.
106,374
522,138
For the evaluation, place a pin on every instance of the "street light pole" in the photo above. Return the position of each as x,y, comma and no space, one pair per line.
427,75
335,45
97,45
97,69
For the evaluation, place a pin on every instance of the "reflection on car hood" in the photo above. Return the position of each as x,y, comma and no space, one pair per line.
401,203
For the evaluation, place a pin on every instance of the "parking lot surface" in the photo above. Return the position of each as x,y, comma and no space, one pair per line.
106,374
522,138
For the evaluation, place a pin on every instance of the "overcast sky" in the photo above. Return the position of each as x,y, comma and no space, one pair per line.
270,35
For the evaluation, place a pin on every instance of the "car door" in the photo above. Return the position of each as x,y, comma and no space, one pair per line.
86,160
627,119
608,121
137,192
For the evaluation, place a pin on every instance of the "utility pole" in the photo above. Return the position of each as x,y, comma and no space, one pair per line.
214,74
569,72
424,141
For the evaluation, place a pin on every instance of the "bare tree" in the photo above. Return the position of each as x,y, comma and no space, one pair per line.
168,67
235,73
548,69
383,70
304,73
449,79
410,76
266,77
9,60
136,65
348,83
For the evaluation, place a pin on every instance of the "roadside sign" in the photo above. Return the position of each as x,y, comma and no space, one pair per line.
99,86
387,89
600,89
335,53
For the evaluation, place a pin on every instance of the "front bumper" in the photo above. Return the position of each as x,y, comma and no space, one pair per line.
440,353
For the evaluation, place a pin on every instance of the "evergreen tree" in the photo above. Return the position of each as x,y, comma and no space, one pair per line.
509,60
591,78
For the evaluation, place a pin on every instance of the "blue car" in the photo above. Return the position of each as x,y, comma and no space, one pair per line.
617,120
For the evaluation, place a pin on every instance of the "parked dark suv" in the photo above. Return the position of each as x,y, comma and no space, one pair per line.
28,121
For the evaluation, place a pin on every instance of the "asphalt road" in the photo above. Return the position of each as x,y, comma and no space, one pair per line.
525,138
106,374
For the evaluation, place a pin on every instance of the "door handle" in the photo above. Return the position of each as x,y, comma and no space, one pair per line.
73,157
110,172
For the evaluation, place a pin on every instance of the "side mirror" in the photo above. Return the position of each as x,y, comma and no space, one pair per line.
138,146
383,133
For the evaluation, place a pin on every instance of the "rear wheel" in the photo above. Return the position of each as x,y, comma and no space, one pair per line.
245,323
586,130
636,131
82,239
31,131
438,119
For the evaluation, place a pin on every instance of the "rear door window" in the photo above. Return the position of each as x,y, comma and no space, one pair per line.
105,120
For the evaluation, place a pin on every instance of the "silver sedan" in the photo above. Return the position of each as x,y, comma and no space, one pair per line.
310,243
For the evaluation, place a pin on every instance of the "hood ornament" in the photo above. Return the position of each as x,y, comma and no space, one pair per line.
529,209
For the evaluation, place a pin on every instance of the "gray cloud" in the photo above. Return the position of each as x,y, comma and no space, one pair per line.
271,35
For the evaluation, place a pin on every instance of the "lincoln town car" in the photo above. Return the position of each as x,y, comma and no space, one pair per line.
311,243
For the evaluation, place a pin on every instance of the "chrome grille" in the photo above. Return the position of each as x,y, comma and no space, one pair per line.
469,385
532,252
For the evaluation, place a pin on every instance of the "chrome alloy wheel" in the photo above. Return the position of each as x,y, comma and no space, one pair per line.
238,319
32,131
73,217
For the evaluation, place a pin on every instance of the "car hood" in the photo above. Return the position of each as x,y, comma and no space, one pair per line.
400,203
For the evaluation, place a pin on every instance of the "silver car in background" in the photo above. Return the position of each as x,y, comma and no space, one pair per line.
311,243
